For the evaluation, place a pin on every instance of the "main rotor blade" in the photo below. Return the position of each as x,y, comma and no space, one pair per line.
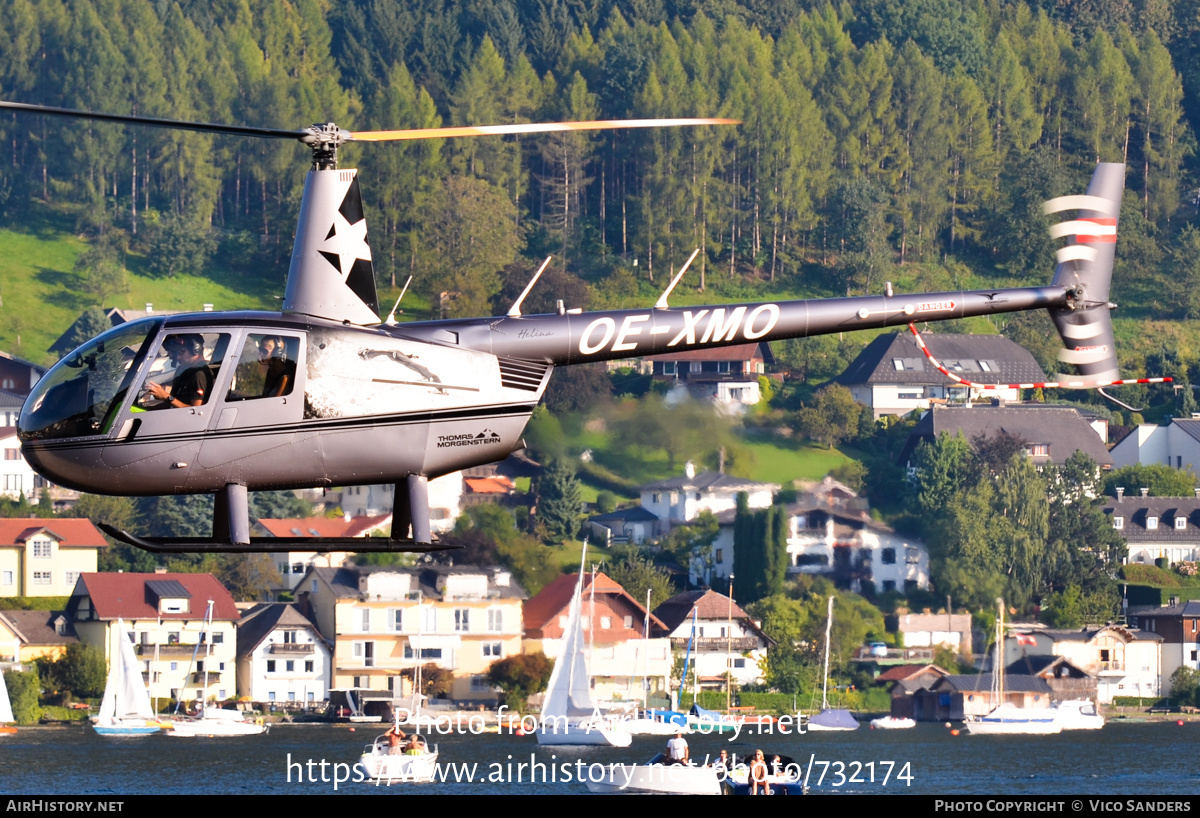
205,127
531,127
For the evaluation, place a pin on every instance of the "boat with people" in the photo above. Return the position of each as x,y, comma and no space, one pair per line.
395,758
659,775
778,775
125,709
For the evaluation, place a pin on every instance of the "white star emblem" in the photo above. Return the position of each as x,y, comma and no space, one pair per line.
348,243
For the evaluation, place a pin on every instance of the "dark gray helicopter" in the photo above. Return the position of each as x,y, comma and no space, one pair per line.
326,393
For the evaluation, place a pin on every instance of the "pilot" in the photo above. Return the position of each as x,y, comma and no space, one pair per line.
193,379
280,371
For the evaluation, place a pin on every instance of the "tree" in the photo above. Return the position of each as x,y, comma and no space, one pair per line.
560,501
519,677
103,266
583,389
178,244
249,576
637,575
488,534
435,681
760,551
941,469
1161,480
81,670
832,418
23,691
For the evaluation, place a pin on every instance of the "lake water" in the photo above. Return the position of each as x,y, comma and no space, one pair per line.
1122,759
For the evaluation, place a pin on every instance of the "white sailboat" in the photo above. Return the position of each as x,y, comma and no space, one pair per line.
6,713
1008,719
125,709
830,718
569,716
215,722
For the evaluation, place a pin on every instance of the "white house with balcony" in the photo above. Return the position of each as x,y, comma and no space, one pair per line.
1125,661
281,657
679,500
725,640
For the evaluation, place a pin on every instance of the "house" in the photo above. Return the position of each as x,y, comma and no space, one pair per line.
1067,682
837,538
29,635
625,525
621,659
385,620
726,640
182,656
904,683
727,376
954,698
281,657
10,408
293,565
679,500
1157,527
1051,433
893,377
17,377
445,501
17,477
930,630
1175,444
1179,625
1124,661
45,557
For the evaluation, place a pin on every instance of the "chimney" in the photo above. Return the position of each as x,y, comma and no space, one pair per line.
1121,493
208,307
690,469
149,308
1145,491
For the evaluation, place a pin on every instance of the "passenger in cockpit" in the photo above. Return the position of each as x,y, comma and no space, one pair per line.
193,379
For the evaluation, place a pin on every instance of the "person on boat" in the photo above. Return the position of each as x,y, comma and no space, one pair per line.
721,764
758,775
397,740
677,750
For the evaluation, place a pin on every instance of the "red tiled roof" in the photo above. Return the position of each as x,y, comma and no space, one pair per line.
325,526
489,485
126,595
901,672
71,533
541,612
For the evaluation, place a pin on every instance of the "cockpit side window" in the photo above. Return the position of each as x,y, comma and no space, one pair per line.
184,371
266,368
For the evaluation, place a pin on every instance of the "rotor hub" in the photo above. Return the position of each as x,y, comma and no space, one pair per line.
324,141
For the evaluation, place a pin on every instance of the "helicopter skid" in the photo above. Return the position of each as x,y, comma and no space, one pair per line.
271,545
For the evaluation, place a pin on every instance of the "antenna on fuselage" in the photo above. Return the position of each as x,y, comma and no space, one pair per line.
661,304
515,310
391,319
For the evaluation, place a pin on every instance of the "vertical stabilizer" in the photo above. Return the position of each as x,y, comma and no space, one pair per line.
1085,266
331,275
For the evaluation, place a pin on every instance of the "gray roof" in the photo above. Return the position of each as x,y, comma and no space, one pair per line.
39,627
1061,428
982,683
1045,666
979,358
258,622
707,481
1191,427
167,589
1136,513
344,581
634,514
1188,607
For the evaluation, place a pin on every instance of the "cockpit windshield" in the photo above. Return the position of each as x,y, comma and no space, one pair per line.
82,393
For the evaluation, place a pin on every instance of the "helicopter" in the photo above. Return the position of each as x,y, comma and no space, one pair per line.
181,404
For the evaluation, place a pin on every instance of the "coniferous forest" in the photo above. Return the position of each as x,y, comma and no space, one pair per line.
875,134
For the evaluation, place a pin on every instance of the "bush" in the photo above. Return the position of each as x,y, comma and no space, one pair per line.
23,690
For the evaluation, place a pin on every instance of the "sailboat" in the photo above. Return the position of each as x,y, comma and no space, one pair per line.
830,718
569,715
215,722
125,709
6,713
1007,719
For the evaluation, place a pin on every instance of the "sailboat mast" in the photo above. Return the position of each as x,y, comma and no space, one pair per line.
998,671
825,676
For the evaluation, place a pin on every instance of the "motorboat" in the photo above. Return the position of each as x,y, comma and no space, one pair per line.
1077,714
892,723
125,709
658,775
417,764
784,776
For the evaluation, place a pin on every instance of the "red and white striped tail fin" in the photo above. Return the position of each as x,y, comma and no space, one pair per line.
1085,264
